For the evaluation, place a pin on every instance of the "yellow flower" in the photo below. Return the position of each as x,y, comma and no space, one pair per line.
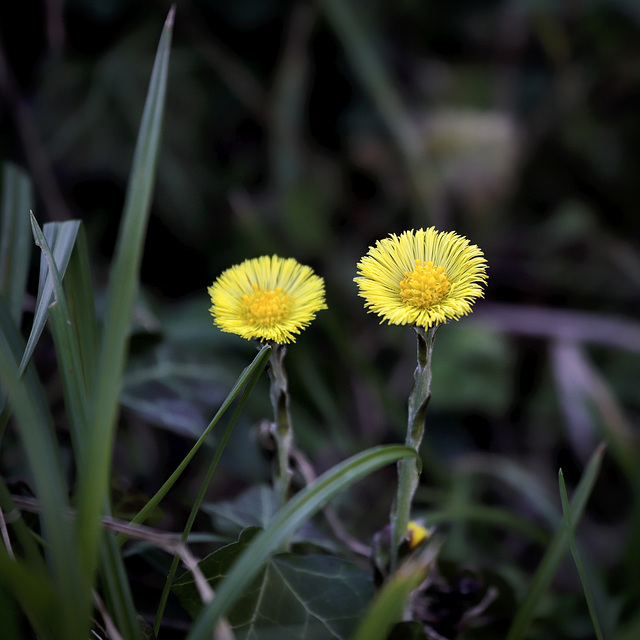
266,298
422,277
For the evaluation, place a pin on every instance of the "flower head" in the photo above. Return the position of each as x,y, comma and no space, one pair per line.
422,277
266,298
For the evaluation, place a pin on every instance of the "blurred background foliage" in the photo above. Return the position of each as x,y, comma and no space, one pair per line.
311,129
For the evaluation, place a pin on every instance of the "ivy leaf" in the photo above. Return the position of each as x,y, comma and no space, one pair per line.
256,507
296,597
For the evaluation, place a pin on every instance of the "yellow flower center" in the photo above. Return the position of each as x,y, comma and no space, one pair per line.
265,308
424,286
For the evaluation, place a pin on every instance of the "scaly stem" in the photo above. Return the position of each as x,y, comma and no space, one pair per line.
407,468
281,426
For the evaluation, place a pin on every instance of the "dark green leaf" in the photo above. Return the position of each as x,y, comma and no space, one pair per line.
296,597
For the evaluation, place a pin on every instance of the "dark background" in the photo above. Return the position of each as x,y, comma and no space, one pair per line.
290,128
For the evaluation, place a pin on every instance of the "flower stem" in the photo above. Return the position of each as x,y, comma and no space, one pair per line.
281,427
407,468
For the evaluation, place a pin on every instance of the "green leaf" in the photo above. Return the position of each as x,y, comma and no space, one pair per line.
256,507
67,347
389,605
35,593
555,552
61,237
175,390
94,477
35,427
292,516
214,567
296,597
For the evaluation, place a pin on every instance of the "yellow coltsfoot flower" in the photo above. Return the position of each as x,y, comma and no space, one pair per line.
267,298
422,278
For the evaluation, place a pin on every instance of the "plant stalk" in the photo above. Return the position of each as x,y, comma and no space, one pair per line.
281,427
408,467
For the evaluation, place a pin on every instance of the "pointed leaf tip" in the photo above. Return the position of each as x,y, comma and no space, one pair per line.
170,17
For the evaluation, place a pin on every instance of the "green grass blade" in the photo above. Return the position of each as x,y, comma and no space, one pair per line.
81,298
68,338
36,432
578,559
61,237
388,607
93,478
67,347
15,239
258,364
292,516
256,371
555,552
36,596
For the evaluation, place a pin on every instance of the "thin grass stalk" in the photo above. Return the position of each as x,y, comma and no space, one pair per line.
258,364
256,372
588,595
554,553
408,468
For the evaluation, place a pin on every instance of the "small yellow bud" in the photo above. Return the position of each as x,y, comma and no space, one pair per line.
417,533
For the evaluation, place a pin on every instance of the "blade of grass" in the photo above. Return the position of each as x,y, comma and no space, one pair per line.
81,298
389,605
286,521
203,488
62,239
36,432
578,559
93,478
555,552
15,239
36,595
258,364
68,340
67,348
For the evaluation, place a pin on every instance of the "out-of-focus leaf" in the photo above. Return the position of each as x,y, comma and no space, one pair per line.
294,598
175,389
256,507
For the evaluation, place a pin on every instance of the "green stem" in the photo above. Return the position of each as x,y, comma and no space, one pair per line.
407,467
281,427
